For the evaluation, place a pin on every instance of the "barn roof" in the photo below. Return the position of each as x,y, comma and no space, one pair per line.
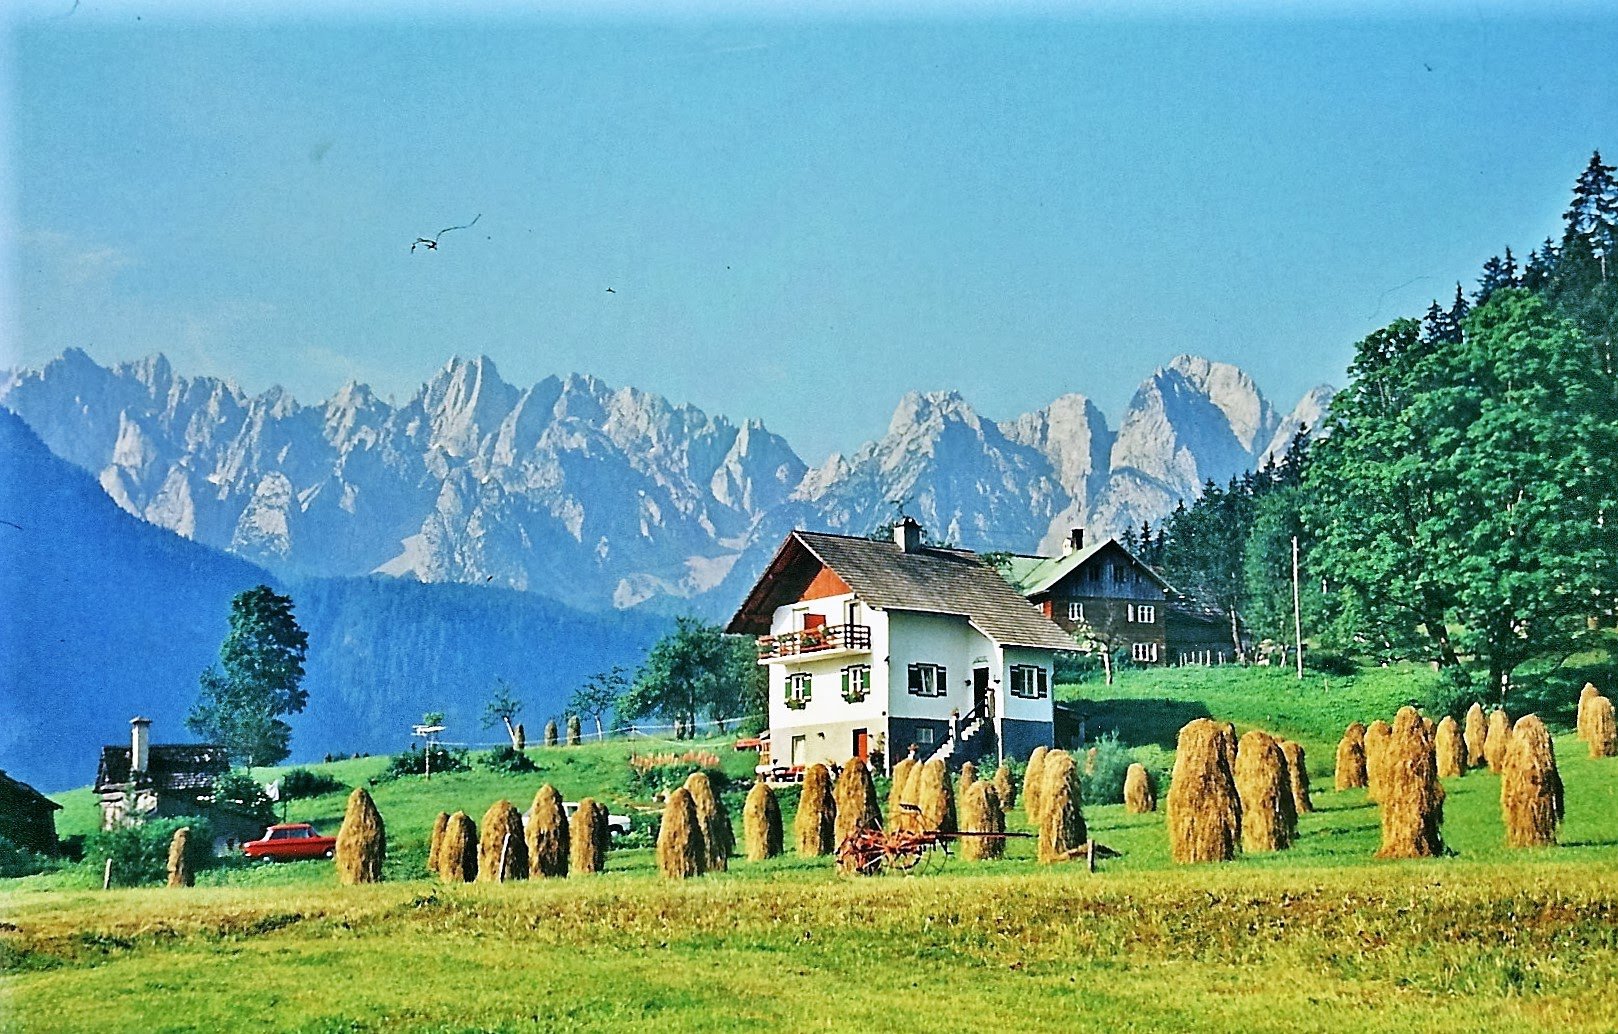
1032,575
169,766
20,792
930,580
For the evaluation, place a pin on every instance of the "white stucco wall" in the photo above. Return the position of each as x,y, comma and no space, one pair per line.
1022,708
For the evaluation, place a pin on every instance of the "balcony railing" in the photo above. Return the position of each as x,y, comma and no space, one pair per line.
822,639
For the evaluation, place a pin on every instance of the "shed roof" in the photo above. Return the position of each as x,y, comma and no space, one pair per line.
169,766
929,580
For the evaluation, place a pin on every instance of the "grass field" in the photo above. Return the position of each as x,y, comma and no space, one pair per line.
1318,938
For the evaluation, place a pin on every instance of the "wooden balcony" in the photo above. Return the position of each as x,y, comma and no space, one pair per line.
826,639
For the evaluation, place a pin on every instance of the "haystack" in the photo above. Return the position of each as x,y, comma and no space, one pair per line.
1140,795
1530,786
587,831
436,841
1412,799
550,733
549,840
1298,776
896,792
362,845
814,822
968,776
1032,779
575,731
718,838
1377,737
503,848
1600,730
180,874
1450,748
1587,694
981,813
1204,810
1476,732
1351,758
1061,821
936,798
458,854
1005,786
1269,819
761,823
855,798
680,848
1498,739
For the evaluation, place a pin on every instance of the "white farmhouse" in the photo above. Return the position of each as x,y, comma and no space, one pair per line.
875,646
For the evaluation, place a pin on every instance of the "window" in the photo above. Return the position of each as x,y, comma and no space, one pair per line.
1143,651
1030,681
1120,574
798,686
926,735
1146,615
927,680
1075,611
856,682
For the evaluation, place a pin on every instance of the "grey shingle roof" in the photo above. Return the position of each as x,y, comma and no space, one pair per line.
937,581
169,766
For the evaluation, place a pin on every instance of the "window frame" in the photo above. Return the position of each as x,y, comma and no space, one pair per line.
915,683
851,694
1030,681
1075,610
799,688
1145,652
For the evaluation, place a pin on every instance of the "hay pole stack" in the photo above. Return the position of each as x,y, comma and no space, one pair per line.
588,832
1062,833
900,785
1298,777
981,813
855,800
548,837
1005,786
1498,739
1140,795
814,822
1581,723
362,845
718,838
1204,810
503,848
1412,799
936,798
1377,736
1530,786
1350,772
761,823
1450,748
681,852
435,842
1476,733
1601,730
1032,777
1269,817
180,874
458,854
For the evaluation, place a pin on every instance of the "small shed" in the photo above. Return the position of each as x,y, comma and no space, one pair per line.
27,817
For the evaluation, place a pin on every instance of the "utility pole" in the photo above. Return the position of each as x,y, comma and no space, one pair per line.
1297,611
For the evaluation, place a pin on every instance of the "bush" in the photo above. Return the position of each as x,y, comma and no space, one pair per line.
301,783
241,791
508,760
140,853
652,774
19,861
1108,767
1329,662
413,762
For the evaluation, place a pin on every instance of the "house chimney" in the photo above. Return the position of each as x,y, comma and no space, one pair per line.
907,535
1074,543
139,743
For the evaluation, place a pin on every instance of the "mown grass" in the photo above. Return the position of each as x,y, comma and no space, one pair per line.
1322,937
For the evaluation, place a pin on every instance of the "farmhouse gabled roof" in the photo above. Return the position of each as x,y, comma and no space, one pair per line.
1032,575
929,580
169,766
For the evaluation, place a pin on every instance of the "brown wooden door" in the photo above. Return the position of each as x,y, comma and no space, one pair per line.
814,620
862,744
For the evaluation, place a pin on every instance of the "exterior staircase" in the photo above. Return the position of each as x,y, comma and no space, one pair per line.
969,741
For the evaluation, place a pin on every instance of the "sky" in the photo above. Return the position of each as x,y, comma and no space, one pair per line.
801,212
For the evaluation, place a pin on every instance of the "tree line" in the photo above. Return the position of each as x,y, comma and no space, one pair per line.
1458,504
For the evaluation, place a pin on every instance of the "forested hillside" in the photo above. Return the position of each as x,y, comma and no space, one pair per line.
1459,508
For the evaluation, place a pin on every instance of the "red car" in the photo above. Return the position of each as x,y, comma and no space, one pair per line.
290,840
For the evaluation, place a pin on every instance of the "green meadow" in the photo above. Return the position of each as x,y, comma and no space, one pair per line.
1321,937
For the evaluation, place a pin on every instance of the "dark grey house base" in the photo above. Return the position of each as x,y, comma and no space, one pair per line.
1021,737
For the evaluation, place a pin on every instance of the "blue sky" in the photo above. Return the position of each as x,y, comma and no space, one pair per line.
802,215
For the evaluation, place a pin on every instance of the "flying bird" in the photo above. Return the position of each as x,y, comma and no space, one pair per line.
611,291
431,243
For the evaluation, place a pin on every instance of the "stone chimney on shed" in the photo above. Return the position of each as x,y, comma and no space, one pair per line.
140,740
907,535
1074,543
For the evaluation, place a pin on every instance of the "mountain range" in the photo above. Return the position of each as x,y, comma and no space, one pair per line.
606,497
